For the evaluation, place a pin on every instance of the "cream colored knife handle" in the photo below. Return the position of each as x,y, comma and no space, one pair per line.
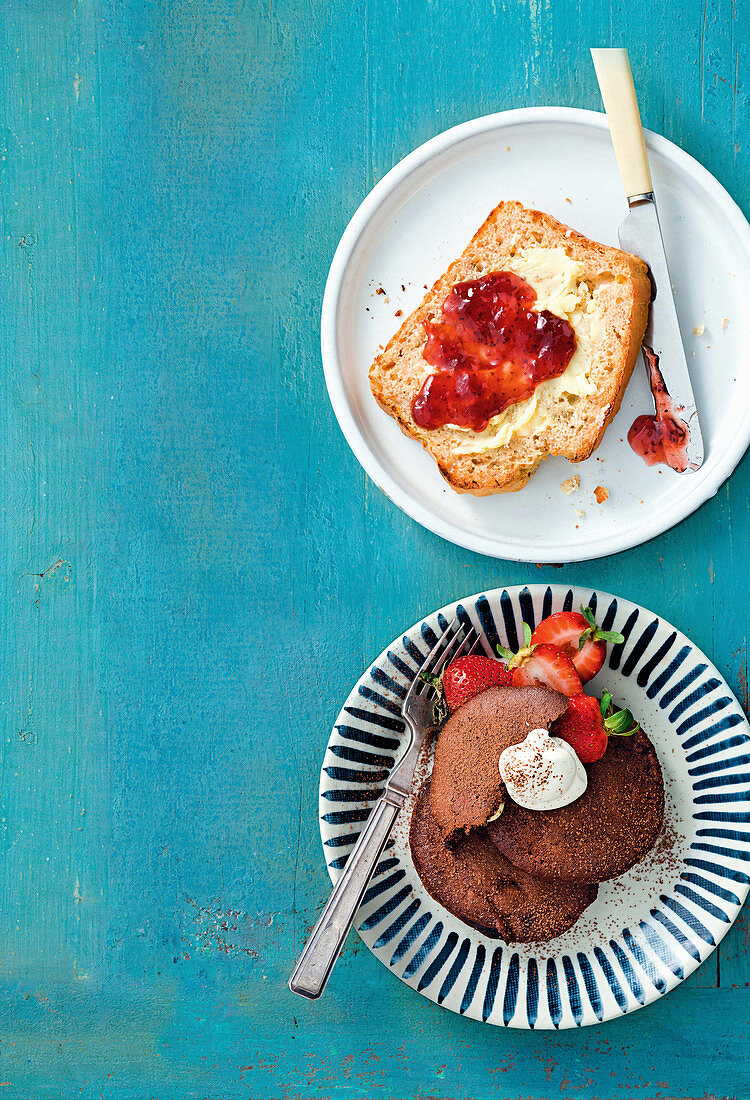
620,103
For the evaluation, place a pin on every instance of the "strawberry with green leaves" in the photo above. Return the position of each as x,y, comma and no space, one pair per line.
588,723
541,665
579,637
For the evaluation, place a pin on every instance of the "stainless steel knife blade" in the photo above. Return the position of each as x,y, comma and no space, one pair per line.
663,353
640,233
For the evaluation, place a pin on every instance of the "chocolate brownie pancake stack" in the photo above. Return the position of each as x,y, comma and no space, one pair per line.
608,830
474,880
519,874
466,785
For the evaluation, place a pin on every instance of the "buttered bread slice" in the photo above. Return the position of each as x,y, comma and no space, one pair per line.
521,350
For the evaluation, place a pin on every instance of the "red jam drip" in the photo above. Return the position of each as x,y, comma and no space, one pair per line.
490,349
661,439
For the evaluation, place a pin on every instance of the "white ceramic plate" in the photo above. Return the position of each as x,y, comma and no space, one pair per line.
648,929
421,216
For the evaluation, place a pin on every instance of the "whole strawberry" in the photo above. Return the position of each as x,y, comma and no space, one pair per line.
588,723
579,637
541,665
468,676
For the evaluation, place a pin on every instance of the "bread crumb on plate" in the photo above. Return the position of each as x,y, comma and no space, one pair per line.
601,494
571,484
699,330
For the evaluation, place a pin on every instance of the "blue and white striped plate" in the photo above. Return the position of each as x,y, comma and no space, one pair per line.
648,929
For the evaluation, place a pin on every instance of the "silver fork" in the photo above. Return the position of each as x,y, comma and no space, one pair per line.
317,960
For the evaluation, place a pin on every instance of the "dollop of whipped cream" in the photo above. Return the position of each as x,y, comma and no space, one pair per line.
542,772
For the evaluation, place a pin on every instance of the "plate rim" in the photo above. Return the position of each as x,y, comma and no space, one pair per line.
535,590
494,546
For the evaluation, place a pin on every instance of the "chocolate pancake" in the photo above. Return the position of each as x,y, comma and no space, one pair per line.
466,787
607,830
476,883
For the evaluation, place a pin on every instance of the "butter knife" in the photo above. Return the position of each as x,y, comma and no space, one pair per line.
640,233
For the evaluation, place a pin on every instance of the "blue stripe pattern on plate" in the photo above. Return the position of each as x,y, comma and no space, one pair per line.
682,919
492,980
473,982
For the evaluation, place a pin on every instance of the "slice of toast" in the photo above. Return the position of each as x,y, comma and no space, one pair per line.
603,293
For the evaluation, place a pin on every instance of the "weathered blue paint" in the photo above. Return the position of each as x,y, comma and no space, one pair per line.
181,515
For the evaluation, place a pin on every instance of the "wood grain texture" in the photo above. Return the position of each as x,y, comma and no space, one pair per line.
182,517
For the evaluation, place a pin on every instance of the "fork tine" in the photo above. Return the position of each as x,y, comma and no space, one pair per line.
484,646
453,627
448,656
437,661
442,659
426,665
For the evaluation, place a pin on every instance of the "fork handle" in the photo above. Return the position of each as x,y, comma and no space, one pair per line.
316,962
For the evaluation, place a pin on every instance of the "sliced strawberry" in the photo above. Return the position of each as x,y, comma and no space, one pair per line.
541,665
590,659
579,638
588,723
564,629
468,676
547,666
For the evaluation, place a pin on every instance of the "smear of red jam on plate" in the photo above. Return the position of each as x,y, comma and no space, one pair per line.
661,439
490,348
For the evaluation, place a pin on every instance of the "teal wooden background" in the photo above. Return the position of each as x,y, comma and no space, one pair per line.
182,523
